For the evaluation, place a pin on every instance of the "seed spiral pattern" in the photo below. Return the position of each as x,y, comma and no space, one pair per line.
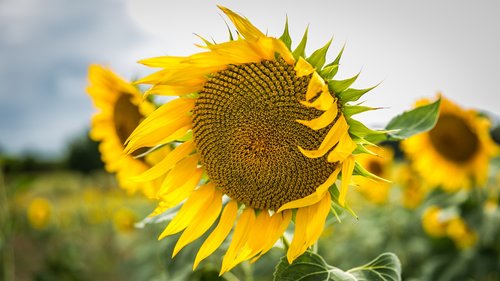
454,139
245,130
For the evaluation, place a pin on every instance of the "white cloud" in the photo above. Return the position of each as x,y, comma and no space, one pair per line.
46,48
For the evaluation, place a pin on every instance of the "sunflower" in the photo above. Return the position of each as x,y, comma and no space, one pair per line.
121,110
265,133
455,154
39,213
413,189
438,223
376,191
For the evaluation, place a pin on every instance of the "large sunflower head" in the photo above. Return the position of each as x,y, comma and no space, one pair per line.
268,127
460,145
121,109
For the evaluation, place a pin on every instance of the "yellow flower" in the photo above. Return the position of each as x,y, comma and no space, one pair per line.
441,223
455,154
434,221
121,110
124,219
39,213
377,191
460,233
261,132
413,189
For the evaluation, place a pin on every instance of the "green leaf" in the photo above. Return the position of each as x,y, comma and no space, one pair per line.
337,59
350,110
418,120
300,50
339,86
359,129
353,94
385,267
360,170
308,267
285,37
318,58
312,267
231,38
329,71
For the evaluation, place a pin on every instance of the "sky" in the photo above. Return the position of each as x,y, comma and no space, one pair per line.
413,48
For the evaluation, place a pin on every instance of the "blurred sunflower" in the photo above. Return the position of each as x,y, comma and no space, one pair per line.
39,213
376,191
445,223
266,131
412,186
456,152
121,110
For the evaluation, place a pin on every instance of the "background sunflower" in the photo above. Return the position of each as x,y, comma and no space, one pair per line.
457,152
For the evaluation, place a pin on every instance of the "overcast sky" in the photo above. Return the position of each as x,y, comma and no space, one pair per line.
415,48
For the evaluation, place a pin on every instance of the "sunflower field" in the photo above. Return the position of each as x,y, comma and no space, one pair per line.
246,161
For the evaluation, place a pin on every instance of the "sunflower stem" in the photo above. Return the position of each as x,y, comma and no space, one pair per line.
286,244
247,269
8,265
229,276
314,248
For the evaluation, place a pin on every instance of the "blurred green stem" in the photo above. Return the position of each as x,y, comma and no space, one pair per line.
247,269
5,234
315,247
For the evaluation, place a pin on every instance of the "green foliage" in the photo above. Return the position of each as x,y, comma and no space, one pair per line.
353,94
409,123
312,267
83,155
300,51
339,86
418,120
385,267
318,58
285,37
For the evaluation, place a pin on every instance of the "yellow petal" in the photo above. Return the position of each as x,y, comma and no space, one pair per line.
316,85
240,237
163,62
300,234
323,120
244,26
323,102
283,50
215,239
278,225
256,238
345,148
237,52
331,139
201,222
264,47
347,169
160,124
181,132
199,200
180,173
313,198
309,223
303,68
174,90
174,196
168,162
317,223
